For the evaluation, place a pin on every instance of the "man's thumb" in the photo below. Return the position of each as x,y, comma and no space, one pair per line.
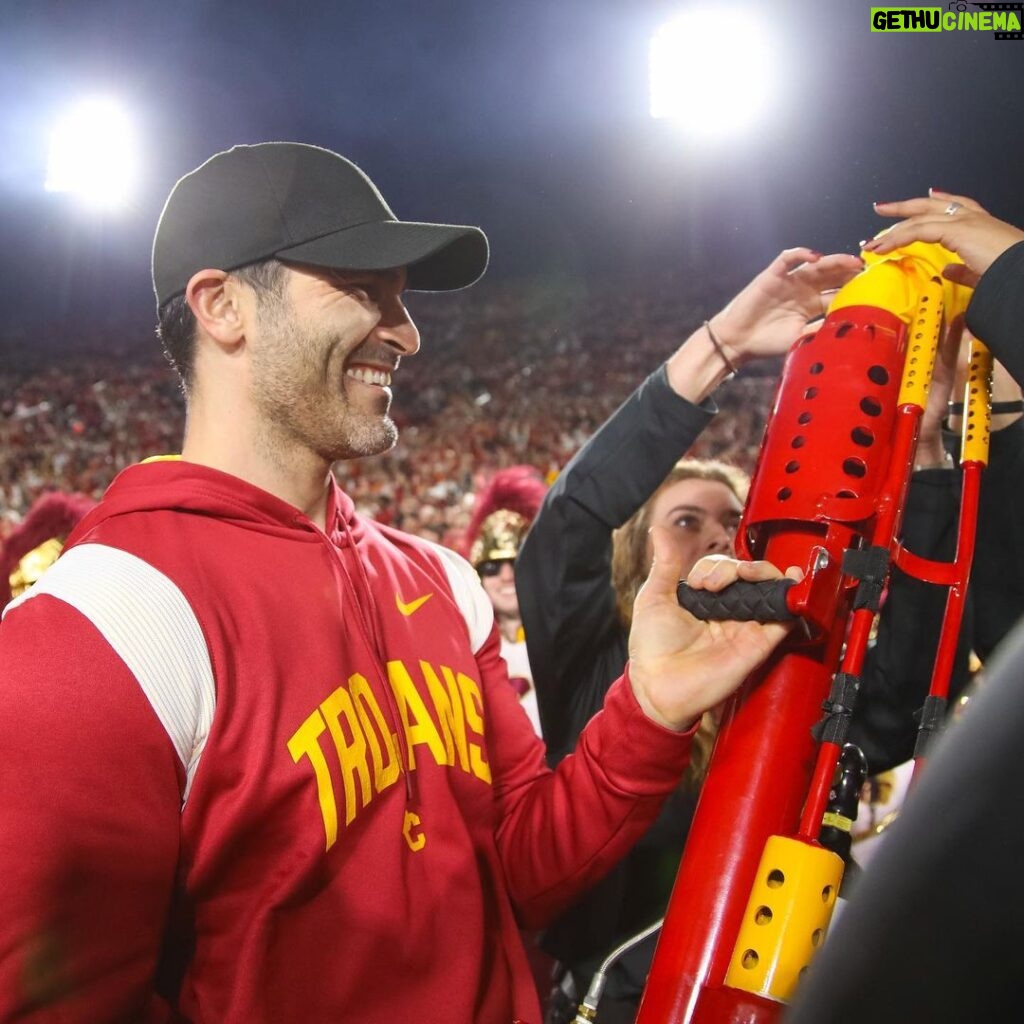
667,567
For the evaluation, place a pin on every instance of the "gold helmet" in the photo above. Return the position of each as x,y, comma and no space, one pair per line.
500,535
502,515
33,565
34,545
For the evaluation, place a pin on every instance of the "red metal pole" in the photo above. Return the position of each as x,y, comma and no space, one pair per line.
831,479
823,463
762,762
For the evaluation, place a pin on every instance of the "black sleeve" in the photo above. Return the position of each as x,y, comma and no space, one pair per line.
996,316
576,643
996,312
997,577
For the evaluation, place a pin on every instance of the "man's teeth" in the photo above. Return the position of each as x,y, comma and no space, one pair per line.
368,376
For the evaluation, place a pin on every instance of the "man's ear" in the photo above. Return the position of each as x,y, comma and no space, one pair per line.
215,301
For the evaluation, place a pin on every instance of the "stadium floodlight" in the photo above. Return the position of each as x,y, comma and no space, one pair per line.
93,153
710,71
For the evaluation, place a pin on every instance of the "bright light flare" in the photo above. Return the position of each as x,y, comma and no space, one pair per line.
93,153
710,71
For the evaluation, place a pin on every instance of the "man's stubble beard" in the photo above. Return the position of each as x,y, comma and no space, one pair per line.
300,403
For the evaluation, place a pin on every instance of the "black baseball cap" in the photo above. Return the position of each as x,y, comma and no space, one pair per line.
305,204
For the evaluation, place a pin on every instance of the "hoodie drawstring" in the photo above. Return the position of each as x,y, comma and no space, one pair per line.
370,634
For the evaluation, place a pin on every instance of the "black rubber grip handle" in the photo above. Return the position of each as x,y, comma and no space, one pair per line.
741,601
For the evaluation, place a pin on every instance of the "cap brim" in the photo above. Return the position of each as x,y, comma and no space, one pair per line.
438,257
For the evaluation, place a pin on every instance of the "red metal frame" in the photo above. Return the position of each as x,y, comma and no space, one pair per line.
832,476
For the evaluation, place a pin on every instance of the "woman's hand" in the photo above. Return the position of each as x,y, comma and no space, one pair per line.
957,222
768,316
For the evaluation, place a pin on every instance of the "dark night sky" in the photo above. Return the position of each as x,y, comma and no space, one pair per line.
528,117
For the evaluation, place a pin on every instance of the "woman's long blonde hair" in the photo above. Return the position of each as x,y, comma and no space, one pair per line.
630,568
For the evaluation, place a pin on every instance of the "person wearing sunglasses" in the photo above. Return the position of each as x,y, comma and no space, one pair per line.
502,516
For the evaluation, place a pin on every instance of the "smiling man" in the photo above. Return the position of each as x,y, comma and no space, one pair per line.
266,763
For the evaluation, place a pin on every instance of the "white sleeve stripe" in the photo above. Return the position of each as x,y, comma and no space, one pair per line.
469,595
151,626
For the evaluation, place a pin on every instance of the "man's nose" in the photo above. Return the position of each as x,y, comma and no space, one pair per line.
400,332
395,326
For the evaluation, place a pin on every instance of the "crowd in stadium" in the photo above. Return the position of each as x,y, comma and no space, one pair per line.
515,375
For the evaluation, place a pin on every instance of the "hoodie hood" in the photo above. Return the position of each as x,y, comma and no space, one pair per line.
176,485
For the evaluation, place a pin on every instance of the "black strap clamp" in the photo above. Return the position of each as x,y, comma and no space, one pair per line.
871,567
838,709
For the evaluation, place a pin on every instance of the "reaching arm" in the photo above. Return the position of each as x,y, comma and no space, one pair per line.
576,642
563,570
771,312
561,830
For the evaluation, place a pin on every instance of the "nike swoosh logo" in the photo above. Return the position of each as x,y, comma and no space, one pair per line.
412,606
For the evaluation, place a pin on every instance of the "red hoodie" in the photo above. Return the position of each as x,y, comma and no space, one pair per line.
261,773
